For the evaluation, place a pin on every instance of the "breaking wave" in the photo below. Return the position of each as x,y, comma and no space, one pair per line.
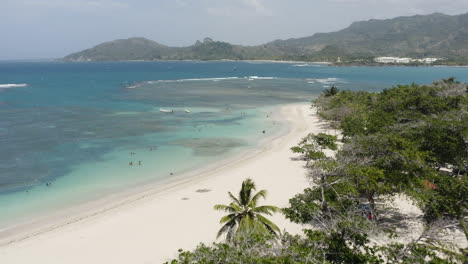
13,85
250,78
307,65
326,80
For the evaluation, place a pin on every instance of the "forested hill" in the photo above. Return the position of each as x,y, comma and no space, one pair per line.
435,35
145,49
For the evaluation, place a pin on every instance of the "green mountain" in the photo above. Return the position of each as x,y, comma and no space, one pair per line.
145,49
435,35
122,49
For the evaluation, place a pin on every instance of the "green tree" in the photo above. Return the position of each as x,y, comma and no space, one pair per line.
312,146
331,92
244,215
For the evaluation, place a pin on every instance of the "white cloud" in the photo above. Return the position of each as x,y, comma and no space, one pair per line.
76,3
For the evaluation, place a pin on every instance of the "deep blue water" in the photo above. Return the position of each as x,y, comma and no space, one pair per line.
76,123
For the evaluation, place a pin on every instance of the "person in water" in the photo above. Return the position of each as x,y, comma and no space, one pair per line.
130,163
139,163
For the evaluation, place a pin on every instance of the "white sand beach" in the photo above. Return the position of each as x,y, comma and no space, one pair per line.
151,227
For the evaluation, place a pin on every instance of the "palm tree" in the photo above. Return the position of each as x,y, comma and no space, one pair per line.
244,216
331,92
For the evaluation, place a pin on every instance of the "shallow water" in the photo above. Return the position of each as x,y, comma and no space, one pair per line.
68,131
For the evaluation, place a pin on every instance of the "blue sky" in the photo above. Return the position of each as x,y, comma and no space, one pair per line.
32,29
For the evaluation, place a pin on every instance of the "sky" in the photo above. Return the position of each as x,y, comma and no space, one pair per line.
38,29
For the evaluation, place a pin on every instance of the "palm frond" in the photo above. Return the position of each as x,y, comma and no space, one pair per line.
246,225
236,207
256,197
260,228
227,218
246,191
272,227
234,198
266,209
244,218
231,232
227,228
226,208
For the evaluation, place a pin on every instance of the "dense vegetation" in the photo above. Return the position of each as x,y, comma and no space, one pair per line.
435,35
410,140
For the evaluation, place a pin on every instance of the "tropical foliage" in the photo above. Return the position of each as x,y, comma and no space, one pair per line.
331,92
410,140
245,216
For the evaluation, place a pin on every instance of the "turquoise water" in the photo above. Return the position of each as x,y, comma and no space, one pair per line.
67,130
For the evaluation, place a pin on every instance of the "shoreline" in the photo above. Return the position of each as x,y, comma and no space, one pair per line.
251,61
136,217
218,60
20,229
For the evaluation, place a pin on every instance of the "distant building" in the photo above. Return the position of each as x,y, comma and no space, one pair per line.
399,60
404,60
386,59
429,60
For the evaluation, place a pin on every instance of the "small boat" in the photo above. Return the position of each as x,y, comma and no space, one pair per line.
186,111
166,110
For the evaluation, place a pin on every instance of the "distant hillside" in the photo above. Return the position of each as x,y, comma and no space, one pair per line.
435,35
122,49
145,49
416,36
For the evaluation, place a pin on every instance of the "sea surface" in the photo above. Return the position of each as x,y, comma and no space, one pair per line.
71,132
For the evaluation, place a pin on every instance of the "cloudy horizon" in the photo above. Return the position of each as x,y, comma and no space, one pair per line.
33,29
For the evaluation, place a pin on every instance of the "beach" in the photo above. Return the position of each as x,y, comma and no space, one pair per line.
150,227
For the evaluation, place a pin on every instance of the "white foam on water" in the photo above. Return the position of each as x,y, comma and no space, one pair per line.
13,85
307,65
250,78
194,79
325,80
262,78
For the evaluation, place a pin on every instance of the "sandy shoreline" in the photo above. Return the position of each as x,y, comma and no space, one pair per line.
151,227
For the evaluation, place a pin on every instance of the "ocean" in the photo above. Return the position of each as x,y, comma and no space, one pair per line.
74,132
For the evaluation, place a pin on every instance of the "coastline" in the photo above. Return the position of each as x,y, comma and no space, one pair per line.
219,60
34,224
151,225
282,61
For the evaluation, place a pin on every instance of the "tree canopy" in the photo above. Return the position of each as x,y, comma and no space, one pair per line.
245,216
411,140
